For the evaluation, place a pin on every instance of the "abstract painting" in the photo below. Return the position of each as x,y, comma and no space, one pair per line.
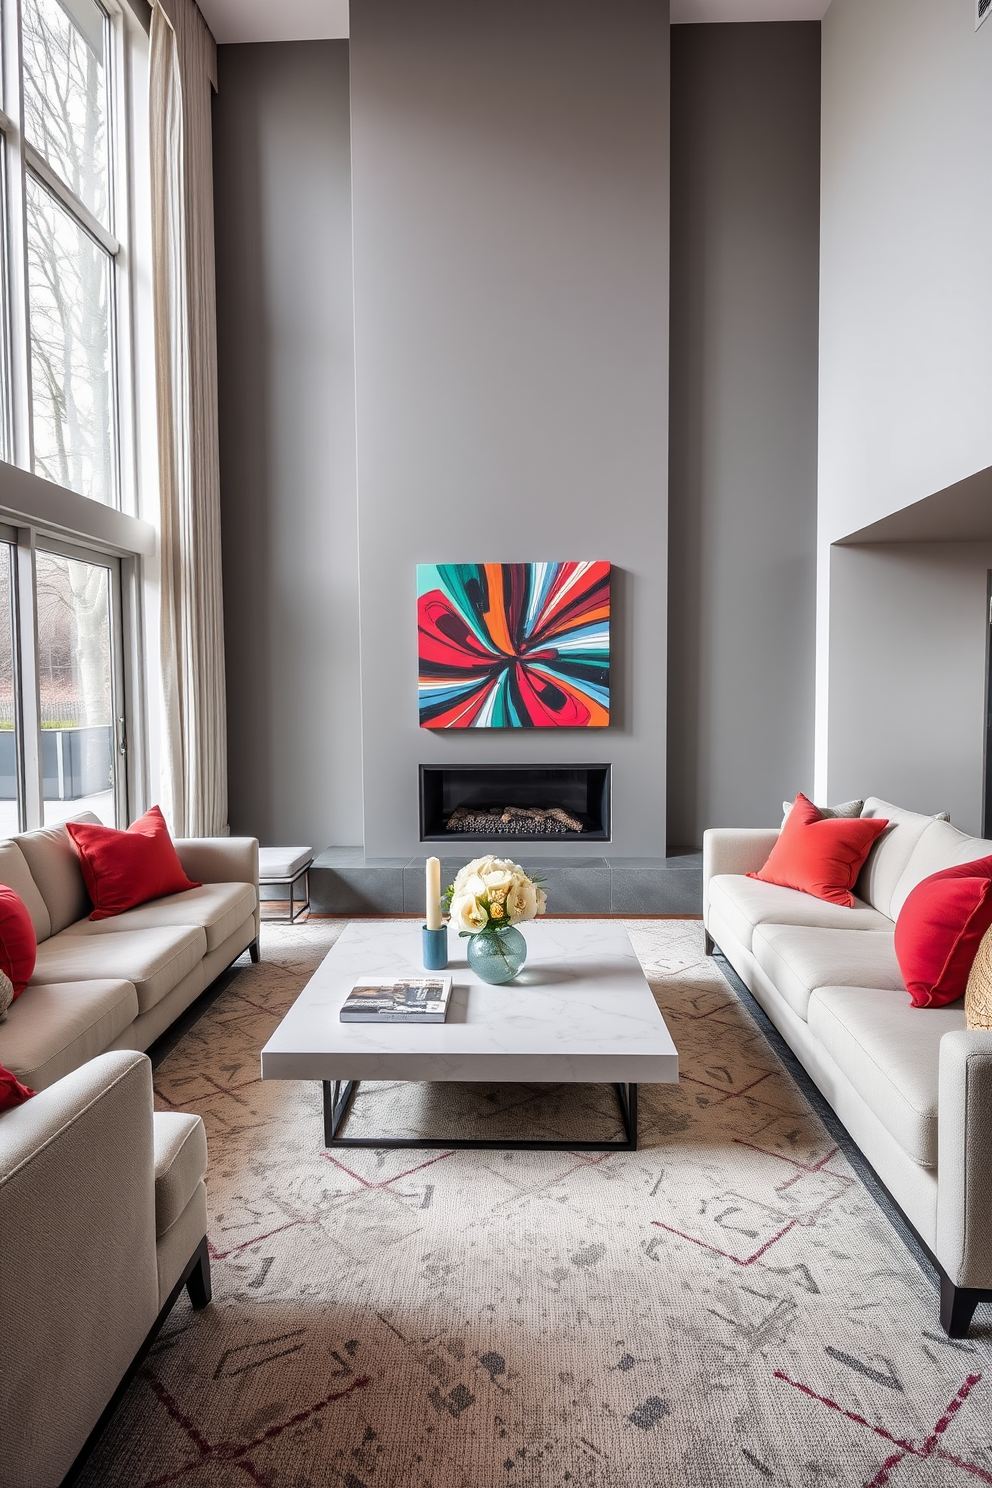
514,645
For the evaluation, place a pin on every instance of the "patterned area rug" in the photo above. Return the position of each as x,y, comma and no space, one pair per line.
727,1306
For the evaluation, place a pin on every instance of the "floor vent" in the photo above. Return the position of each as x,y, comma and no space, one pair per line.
982,8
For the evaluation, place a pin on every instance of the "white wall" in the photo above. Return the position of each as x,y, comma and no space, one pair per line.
907,698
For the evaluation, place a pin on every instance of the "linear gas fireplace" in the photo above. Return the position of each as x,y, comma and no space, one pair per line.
523,803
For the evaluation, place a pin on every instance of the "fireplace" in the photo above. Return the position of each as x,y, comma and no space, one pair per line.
518,803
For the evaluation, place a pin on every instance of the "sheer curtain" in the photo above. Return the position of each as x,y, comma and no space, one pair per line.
194,755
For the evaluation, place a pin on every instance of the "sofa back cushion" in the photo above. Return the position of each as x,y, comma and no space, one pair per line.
55,868
891,854
941,846
15,873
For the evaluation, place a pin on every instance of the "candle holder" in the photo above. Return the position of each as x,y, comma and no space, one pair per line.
435,948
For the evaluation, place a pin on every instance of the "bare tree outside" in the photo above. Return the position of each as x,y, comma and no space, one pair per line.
70,274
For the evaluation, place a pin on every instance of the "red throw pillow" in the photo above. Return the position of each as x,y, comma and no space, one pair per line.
939,930
18,942
125,869
12,1092
819,855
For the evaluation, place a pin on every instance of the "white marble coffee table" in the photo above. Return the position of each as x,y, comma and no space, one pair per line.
580,1011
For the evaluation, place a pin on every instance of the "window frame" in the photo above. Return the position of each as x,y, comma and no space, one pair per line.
21,160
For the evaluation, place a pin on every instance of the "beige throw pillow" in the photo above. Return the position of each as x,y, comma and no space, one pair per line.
6,994
978,993
846,809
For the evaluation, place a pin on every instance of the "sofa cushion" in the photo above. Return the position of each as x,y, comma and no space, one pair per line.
180,1163
153,960
821,856
125,869
55,1028
939,931
55,868
12,1091
798,959
890,1053
744,903
217,908
889,857
941,846
18,942
15,873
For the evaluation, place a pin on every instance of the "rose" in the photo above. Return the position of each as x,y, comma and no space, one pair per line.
468,915
497,881
525,900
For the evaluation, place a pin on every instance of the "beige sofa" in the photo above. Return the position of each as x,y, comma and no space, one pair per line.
911,1085
103,1220
102,1201
119,983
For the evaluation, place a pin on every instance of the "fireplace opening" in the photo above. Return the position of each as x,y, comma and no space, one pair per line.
522,803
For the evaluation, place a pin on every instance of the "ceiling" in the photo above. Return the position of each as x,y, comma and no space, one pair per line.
316,20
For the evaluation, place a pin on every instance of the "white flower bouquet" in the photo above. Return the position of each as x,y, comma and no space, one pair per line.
490,893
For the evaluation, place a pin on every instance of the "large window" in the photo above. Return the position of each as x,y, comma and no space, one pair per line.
66,203
62,719
70,73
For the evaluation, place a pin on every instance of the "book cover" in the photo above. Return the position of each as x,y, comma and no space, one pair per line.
404,1000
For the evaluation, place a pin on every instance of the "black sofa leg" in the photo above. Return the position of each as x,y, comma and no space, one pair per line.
709,944
198,1280
957,1307
253,950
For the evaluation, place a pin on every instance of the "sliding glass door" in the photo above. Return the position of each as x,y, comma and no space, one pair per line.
79,688
10,734
63,734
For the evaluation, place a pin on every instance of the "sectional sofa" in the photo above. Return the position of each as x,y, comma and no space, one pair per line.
912,1085
119,983
103,1211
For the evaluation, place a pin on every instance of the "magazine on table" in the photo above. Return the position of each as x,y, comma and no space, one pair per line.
401,1000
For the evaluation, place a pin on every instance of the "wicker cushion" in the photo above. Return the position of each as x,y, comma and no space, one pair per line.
978,994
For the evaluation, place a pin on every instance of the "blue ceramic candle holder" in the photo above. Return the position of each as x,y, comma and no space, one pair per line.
435,948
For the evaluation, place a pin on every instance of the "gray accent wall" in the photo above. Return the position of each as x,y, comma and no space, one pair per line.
908,671
287,427
745,243
510,187
905,401
906,307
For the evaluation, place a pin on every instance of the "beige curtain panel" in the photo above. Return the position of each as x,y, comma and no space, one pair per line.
194,760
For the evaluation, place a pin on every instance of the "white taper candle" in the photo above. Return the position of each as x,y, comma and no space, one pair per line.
433,893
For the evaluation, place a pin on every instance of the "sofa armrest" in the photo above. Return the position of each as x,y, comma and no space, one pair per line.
964,1176
77,1221
219,859
734,850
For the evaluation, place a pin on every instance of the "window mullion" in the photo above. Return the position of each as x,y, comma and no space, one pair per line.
29,690
19,351
39,165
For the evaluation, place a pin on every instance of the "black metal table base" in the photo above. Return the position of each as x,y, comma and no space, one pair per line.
339,1094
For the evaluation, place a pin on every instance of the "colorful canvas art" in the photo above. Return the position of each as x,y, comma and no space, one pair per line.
514,645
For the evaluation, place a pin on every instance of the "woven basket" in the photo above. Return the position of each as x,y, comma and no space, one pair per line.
978,994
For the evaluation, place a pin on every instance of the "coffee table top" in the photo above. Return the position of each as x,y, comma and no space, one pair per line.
581,1010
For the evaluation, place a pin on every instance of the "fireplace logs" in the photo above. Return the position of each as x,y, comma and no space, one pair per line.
512,821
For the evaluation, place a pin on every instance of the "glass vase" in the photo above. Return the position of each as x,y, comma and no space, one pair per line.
496,955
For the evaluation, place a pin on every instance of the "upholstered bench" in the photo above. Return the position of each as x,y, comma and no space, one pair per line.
283,867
